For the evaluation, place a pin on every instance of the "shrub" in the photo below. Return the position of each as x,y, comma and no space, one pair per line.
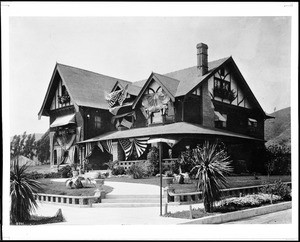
153,158
141,169
52,175
35,175
279,189
111,164
279,159
66,171
118,170
240,166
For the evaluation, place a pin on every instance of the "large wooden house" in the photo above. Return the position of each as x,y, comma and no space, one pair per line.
100,118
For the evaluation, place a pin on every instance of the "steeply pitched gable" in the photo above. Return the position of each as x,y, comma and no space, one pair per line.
85,88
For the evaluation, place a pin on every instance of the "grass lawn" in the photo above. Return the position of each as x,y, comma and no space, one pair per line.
40,169
59,188
234,181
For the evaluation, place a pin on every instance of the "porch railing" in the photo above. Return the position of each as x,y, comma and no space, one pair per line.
127,164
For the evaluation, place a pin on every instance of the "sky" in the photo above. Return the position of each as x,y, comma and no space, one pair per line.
130,48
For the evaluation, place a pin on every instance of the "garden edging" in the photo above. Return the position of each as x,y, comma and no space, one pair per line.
237,215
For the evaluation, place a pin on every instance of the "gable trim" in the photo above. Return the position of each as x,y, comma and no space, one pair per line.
152,76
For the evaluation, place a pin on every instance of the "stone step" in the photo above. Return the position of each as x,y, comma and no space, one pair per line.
132,196
130,200
125,205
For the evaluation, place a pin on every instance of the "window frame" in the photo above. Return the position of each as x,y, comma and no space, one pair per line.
97,123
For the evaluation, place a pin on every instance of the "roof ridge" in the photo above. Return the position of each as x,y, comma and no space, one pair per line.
164,75
93,72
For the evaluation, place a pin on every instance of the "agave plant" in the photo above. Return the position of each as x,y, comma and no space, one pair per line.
212,166
22,190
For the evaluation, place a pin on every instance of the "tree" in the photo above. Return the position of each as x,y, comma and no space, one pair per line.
43,148
22,190
22,145
278,157
211,165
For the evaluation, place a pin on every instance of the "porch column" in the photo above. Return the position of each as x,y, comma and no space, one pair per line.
51,137
115,150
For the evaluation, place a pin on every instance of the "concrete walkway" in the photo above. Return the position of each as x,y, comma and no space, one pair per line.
97,215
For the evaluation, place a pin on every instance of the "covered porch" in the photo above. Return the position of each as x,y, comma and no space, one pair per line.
132,145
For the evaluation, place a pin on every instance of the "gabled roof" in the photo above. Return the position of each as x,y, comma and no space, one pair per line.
190,77
169,85
86,88
131,89
187,78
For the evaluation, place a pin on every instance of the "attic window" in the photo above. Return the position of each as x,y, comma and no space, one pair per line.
222,71
252,122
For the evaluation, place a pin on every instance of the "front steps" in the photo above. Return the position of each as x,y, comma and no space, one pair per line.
126,201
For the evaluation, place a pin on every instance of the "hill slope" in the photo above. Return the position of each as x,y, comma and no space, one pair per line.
278,130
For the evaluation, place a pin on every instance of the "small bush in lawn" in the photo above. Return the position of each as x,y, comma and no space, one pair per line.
140,170
52,175
278,188
35,175
66,171
118,170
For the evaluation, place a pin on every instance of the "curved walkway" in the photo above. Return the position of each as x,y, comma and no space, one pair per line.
125,188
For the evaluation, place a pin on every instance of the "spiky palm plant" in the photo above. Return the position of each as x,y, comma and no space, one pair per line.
211,165
22,190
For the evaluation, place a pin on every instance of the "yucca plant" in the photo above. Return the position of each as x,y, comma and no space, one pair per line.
212,166
22,190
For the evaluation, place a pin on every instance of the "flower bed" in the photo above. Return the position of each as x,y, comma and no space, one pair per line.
230,205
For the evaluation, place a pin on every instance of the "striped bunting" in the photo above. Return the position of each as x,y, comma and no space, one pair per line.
107,145
140,145
127,147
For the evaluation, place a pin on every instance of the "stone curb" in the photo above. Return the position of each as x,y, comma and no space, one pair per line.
223,218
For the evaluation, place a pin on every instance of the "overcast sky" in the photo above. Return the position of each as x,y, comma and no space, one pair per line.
131,48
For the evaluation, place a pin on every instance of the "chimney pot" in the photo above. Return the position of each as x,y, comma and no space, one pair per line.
202,62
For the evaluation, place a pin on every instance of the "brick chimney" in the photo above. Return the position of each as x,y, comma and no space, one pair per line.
202,58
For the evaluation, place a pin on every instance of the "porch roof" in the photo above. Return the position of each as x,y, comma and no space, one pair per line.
178,128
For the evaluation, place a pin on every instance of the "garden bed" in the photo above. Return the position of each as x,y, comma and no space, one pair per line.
59,188
229,205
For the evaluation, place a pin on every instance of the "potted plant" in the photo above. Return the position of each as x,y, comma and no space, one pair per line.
169,176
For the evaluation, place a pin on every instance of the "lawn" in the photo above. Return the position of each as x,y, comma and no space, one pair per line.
234,181
59,188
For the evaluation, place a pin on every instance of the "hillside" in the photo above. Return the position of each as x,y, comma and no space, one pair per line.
278,130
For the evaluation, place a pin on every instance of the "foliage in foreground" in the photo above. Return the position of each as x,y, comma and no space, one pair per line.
22,190
212,166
